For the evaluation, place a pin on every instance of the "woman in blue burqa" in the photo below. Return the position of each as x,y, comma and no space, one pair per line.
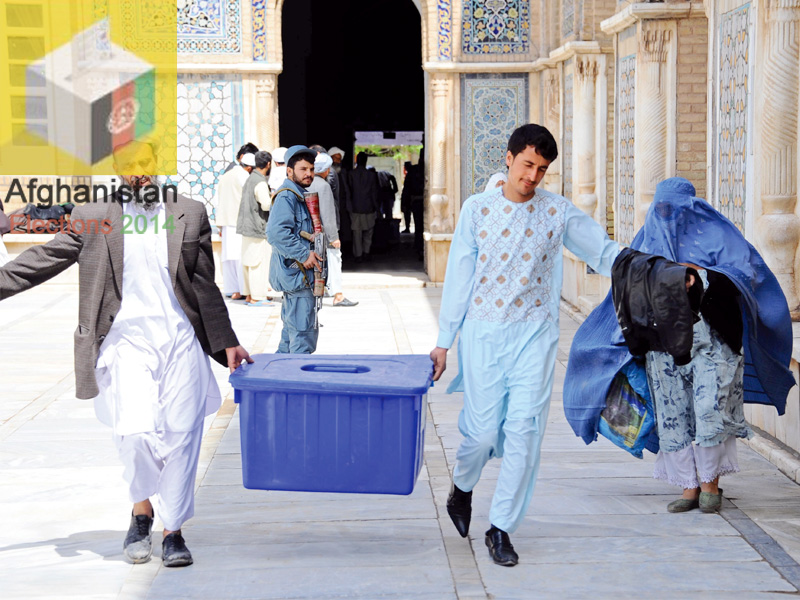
698,406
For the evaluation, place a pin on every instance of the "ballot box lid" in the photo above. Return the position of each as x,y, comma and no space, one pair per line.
386,375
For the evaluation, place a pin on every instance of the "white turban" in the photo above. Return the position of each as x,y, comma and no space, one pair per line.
322,163
336,150
495,180
249,159
278,155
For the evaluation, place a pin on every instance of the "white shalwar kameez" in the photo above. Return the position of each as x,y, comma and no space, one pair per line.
155,380
502,290
229,198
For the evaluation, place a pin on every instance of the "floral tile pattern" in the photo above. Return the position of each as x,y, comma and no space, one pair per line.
626,133
445,42
209,26
210,125
260,30
734,96
496,27
492,107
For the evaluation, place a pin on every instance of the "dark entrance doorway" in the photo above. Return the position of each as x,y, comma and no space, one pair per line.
353,65
349,65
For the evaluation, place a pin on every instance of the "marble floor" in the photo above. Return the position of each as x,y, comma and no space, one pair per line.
597,527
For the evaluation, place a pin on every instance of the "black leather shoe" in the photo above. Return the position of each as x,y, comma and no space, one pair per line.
459,507
138,544
174,552
500,548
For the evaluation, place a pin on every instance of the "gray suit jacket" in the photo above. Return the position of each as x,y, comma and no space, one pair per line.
99,255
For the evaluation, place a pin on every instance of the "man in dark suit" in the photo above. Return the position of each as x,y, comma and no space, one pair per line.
150,315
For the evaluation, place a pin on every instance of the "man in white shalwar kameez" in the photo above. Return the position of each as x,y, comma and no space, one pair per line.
149,317
229,198
502,292
156,384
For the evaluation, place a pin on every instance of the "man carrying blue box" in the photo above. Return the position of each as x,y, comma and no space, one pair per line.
150,315
502,292
291,270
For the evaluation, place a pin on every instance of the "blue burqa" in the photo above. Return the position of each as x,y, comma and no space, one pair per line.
686,229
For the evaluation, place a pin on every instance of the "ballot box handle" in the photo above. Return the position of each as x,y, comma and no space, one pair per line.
334,368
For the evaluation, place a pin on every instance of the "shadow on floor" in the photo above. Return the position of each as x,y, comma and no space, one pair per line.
105,543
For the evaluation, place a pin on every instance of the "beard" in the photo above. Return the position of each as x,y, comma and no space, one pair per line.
301,184
149,202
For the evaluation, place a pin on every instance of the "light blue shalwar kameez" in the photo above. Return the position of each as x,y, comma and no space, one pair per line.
502,290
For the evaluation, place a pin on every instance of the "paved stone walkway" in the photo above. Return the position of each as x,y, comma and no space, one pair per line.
597,527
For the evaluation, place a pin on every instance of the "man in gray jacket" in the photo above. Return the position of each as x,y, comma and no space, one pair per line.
252,226
149,315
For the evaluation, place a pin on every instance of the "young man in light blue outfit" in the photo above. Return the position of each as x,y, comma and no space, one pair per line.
502,292
288,217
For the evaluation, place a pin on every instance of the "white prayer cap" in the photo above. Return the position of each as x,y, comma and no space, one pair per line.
495,181
336,150
279,154
322,163
249,160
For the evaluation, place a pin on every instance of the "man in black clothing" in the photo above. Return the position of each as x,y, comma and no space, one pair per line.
362,204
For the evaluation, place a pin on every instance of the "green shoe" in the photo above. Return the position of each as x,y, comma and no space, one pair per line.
682,505
710,503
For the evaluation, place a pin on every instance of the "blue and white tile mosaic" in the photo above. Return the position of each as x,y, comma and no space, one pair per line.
626,135
734,101
492,107
260,30
495,27
570,14
445,42
209,26
210,130
567,17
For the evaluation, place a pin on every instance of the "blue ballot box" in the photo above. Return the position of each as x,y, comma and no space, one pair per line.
333,423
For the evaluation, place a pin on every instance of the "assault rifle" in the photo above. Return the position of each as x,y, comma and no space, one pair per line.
319,245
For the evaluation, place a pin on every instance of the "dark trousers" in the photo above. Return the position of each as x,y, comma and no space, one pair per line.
407,217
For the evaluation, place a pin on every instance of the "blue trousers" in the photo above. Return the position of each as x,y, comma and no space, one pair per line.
507,371
297,313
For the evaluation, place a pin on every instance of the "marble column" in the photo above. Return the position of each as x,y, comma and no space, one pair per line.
544,29
440,218
583,133
552,121
652,97
264,112
778,227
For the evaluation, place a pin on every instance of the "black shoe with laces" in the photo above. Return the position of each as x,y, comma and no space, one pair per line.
138,544
459,507
174,552
500,548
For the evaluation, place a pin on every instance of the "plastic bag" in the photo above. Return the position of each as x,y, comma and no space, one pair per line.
628,418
